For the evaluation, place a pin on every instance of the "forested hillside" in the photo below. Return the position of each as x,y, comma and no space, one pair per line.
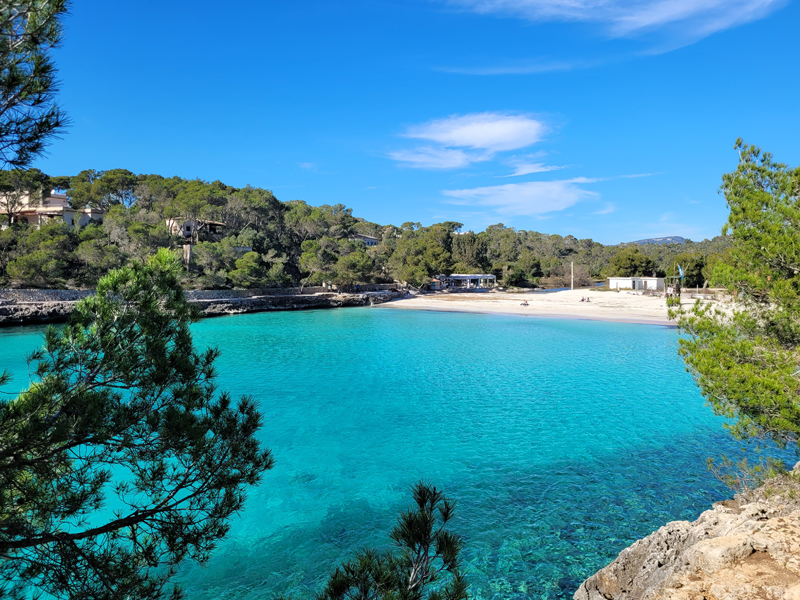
266,242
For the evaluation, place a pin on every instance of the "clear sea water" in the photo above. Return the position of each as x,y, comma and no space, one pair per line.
563,441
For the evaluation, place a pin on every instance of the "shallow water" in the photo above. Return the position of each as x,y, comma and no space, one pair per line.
563,441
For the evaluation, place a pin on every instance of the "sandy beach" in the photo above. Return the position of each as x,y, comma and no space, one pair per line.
621,306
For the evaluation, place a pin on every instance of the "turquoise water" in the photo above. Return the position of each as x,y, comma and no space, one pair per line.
562,441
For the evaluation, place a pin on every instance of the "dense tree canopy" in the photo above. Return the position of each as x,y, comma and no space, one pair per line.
745,360
264,242
120,461
102,189
631,262
693,265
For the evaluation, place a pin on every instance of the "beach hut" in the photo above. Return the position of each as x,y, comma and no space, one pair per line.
469,280
636,283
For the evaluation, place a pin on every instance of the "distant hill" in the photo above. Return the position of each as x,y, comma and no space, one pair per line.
672,239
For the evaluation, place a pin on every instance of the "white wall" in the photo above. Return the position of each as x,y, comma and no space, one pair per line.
636,283
624,283
653,283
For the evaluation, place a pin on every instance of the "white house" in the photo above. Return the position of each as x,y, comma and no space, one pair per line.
636,283
467,280
54,206
189,227
367,239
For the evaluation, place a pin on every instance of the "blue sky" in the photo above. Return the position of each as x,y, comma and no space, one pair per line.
608,119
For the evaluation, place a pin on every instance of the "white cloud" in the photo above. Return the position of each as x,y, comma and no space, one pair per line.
428,157
694,19
525,199
636,175
530,68
609,208
527,165
495,132
465,139
527,67
308,166
530,168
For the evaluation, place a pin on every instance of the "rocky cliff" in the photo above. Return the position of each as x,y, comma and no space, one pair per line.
232,306
22,310
743,549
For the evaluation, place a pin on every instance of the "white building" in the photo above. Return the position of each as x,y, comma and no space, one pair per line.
188,228
54,206
467,280
636,283
367,239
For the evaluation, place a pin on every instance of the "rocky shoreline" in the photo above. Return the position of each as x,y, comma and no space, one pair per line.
743,549
234,306
20,309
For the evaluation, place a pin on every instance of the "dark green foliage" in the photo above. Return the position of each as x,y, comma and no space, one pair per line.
29,115
298,244
422,253
424,563
318,259
252,270
102,189
96,253
528,265
313,222
138,234
631,262
470,253
746,360
693,265
120,461
353,268
43,255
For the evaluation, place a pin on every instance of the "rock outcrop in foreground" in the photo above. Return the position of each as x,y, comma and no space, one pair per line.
742,549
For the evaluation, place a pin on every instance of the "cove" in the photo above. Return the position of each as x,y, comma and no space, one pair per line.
563,441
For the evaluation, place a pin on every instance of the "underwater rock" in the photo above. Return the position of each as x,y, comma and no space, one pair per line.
742,549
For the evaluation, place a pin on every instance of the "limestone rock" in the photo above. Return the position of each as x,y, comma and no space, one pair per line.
745,549
13,313
35,306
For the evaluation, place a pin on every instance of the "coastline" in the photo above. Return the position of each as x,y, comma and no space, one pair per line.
22,307
36,307
620,307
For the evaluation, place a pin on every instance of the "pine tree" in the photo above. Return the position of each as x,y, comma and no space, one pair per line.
745,359
424,564
29,114
120,461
